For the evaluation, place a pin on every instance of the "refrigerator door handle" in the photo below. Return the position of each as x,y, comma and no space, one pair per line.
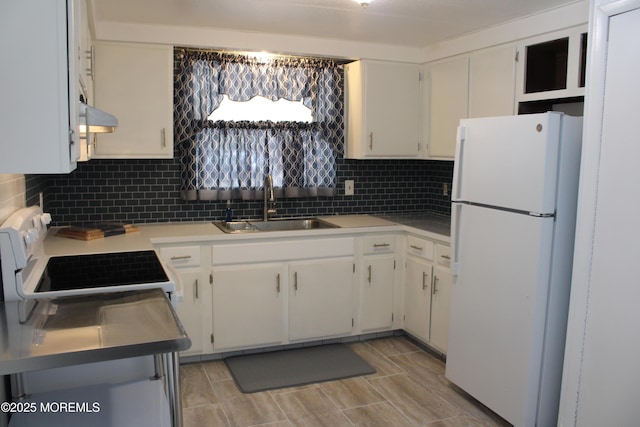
455,233
457,166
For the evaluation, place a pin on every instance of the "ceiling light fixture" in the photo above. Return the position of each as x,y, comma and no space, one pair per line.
363,3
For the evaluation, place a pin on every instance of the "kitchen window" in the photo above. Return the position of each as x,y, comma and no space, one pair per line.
225,155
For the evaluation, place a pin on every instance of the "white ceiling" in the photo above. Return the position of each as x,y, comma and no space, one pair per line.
415,23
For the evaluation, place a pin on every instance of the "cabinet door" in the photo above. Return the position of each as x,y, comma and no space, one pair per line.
417,298
321,298
440,308
492,82
377,292
135,84
39,108
448,103
383,104
197,299
247,305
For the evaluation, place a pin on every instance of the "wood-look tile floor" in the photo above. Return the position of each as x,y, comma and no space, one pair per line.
408,389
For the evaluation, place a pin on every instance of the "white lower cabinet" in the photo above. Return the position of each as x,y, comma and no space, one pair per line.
377,272
417,297
269,292
427,291
441,298
248,305
194,311
320,298
377,293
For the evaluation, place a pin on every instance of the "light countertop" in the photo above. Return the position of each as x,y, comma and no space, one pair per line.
426,224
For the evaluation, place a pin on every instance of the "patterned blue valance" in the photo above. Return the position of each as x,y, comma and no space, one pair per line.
229,160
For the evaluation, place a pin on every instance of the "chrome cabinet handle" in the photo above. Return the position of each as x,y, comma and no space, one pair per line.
163,138
445,256
196,290
180,257
369,278
371,141
417,248
434,290
424,280
295,281
278,282
381,245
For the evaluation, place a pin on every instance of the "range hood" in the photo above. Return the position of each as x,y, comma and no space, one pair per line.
93,120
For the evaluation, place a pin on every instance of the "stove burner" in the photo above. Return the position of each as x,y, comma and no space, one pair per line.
101,270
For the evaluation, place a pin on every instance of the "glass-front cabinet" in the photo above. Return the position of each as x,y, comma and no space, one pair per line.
552,66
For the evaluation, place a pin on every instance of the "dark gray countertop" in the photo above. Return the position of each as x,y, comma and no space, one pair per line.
425,220
66,331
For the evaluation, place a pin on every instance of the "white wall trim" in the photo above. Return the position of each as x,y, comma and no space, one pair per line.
550,21
601,12
239,40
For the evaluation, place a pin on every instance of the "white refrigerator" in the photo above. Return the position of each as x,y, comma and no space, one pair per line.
514,201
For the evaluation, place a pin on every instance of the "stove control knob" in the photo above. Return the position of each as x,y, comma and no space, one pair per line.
45,219
30,237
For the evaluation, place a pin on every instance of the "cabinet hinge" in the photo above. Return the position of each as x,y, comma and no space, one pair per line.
517,58
212,339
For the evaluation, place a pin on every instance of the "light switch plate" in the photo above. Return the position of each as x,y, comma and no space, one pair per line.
348,187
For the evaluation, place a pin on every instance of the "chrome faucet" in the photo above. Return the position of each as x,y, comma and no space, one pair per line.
269,198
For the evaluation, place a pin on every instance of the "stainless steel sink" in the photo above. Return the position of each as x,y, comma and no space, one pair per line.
291,224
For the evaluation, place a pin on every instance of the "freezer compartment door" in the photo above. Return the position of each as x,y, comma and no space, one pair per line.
510,162
498,308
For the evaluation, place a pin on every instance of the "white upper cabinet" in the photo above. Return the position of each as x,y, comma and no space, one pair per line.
382,107
39,102
481,84
134,82
447,84
492,82
552,66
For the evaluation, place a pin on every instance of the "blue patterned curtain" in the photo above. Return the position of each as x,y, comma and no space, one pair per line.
229,160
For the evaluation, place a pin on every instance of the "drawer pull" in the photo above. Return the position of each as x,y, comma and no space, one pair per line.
180,257
417,248
369,278
447,257
295,281
424,280
435,285
196,290
278,282
381,245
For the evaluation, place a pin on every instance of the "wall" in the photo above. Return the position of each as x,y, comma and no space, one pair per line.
12,194
148,191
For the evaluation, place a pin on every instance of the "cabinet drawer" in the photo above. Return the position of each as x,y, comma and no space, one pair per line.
420,247
443,257
379,244
285,250
182,256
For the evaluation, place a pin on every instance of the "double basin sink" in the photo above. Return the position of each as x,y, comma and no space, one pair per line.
234,227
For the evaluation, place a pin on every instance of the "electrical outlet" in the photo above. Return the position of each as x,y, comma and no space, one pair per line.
348,187
445,189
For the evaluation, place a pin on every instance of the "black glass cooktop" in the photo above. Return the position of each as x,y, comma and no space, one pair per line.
101,270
